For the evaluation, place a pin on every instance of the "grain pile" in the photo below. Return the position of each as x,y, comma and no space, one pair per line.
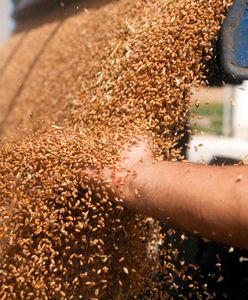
72,93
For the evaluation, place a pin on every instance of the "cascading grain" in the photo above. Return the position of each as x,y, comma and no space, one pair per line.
105,76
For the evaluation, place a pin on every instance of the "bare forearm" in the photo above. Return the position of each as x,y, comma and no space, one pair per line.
206,199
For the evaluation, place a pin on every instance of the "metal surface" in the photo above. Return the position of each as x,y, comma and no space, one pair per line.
235,40
28,8
21,6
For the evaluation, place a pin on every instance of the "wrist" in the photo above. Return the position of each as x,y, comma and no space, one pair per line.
134,185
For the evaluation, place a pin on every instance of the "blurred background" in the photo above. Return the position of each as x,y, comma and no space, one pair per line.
7,23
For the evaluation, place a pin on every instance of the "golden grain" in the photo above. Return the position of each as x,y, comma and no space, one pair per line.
108,74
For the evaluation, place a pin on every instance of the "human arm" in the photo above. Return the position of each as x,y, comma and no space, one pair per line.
209,200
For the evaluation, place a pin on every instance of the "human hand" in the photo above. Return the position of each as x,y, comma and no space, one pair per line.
134,156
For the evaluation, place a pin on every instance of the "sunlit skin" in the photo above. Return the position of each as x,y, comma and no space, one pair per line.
210,201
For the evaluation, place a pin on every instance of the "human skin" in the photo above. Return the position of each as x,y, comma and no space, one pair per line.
210,201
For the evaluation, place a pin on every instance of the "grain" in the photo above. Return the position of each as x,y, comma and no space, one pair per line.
239,178
70,103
